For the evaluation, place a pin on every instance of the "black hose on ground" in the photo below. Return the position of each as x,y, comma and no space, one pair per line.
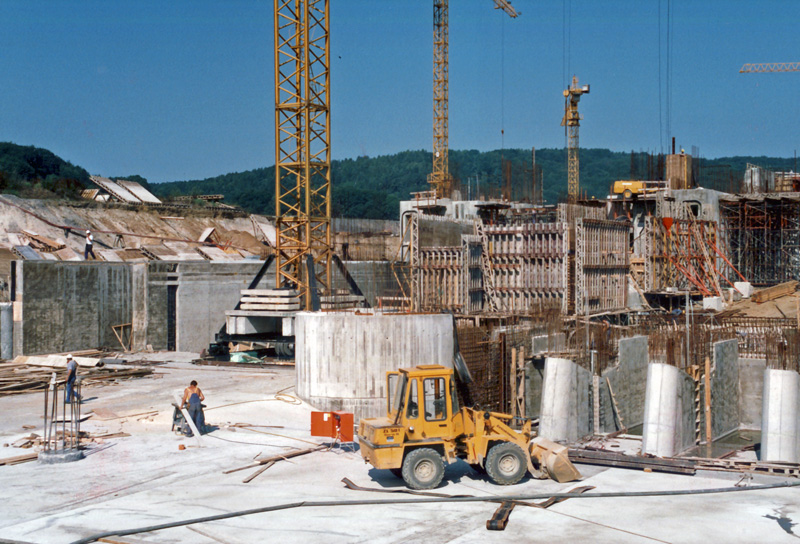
493,498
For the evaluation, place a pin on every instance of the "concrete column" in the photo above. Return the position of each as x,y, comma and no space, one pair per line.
667,429
780,431
564,414
6,330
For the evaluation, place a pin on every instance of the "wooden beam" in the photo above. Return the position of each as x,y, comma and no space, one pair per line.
776,291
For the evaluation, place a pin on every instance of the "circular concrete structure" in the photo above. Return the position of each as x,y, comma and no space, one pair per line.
780,428
341,358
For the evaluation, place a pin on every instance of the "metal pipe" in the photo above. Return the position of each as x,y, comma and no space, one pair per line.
491,498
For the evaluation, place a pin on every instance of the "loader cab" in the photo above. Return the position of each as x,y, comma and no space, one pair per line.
423,400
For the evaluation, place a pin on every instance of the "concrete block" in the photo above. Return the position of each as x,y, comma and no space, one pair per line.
713,303
724,388
744,287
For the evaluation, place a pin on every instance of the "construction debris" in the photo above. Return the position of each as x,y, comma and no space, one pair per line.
17,378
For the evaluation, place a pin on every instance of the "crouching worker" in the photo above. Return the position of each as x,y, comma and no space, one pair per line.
192,397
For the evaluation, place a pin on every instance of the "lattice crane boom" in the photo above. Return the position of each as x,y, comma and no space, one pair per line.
571,123
302,145
770,67
440,180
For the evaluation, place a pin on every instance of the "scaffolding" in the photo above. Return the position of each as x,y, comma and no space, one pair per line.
763,236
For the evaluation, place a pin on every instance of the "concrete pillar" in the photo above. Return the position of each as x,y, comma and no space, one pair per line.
780,430
564,414
6,330
668,411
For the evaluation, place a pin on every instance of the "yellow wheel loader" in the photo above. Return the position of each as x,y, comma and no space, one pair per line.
424,429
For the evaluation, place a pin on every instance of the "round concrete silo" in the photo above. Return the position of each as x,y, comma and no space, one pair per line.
341,358
780,424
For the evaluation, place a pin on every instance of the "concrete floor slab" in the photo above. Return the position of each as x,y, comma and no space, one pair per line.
145,479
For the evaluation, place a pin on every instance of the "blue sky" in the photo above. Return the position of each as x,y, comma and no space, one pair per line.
175,90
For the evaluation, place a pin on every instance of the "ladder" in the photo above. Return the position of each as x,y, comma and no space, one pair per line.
486,268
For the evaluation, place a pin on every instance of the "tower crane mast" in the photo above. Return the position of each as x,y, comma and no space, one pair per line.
440,180
302,145
571,123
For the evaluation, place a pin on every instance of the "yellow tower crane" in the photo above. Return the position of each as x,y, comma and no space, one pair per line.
440,180
302,146
571,122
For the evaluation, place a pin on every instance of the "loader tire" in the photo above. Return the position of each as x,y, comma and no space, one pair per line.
423,469
506,463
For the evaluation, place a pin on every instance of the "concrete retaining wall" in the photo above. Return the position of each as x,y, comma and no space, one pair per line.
725,388
629,383
565,412
341,358
6,330
751,390
70,306
668,411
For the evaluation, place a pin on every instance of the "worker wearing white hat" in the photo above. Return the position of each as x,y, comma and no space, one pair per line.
87,250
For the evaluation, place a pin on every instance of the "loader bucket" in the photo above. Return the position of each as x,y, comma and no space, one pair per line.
551,459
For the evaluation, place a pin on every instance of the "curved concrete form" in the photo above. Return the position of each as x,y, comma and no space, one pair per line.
564,415
780,428
341,358
667,429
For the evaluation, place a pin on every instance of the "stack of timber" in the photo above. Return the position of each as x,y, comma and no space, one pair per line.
777,291
16,378
277,300
592,456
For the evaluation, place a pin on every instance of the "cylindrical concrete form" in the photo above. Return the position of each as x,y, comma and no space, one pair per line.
558,420
662,411
341,358
6,330
780,428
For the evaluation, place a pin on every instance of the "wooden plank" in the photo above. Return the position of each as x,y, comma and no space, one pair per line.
776,291
256,473
274,458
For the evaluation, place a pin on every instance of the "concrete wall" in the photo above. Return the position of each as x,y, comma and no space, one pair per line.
725,388
565,413
751,388
534,380
6,330
374,278
629,383
341,358
668,427
69,306
205,291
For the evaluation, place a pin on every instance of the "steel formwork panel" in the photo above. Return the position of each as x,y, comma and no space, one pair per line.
602,265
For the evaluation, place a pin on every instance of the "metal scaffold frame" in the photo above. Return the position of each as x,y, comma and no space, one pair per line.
763,236
302,144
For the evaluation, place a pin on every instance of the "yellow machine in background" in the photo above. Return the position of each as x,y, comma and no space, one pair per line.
424,429
629,188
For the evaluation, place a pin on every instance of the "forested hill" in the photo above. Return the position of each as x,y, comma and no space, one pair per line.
372,187
38,173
